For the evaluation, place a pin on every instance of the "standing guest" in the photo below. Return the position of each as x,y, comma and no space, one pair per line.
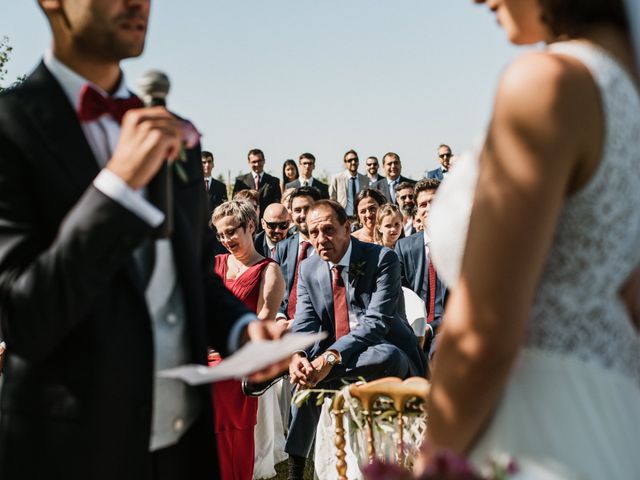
543,312
257,282
389,226
344,186
444,157
372,170
417,269
289,173
307,164
368,202
406,201
392,167
91,304
216,190
275,223
267,186
350,290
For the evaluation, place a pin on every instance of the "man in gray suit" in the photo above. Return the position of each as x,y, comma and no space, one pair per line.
345,185
351,291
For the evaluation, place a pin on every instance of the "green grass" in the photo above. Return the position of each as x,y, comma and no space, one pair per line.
281,470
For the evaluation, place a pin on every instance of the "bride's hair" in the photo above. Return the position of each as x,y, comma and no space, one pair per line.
572,17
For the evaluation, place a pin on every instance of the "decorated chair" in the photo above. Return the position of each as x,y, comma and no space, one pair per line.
389,416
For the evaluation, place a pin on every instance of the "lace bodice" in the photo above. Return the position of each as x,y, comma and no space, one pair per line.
596,245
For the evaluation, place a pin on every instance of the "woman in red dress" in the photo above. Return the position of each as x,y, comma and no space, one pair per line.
258,282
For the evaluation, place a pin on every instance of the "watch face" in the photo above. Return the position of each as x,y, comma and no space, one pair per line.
331,358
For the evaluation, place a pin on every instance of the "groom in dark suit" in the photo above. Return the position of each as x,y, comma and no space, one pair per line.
351,291
91,302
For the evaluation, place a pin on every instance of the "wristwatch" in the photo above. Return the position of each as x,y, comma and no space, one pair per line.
331,358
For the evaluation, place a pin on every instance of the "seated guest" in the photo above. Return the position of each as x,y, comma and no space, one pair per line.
406,201
418,272
293,250
392,167
388,226
368,201
307,164
289,173
258,283
351,291
275,223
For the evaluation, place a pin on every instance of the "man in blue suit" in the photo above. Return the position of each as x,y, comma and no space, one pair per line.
351,291
444,157
291,251
415,263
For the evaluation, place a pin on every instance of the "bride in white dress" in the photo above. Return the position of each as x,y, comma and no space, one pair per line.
540,351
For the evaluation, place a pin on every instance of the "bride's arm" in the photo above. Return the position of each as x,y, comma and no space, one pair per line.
533,155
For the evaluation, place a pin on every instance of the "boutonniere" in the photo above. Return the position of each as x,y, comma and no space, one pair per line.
356,270
190,138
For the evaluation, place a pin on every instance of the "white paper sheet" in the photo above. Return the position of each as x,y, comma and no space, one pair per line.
252,357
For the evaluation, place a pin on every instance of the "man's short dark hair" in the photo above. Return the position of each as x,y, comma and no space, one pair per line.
338,209
257,152
393,155
308,156
206,154
312,192
403,185
426,184
444,145
344,158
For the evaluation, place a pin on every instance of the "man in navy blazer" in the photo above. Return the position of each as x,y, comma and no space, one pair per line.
360,309
414,260
307,163
444,157
288,251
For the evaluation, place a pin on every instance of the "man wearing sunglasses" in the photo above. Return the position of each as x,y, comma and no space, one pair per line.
444,157
345,185
275,223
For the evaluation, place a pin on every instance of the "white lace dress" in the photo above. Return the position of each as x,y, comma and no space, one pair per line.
574,394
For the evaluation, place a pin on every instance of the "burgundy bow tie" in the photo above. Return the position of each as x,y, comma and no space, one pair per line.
93,105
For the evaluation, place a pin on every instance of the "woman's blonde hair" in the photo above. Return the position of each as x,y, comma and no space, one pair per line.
241,210
384,211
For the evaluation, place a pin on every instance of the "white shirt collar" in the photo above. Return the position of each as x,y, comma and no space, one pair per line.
72,82
308,180
346,258
427,240
302,239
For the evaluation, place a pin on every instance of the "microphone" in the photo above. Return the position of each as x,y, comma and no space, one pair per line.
153,88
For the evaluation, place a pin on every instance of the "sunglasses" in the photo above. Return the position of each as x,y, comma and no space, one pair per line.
351,160
445,155
372,164
277,225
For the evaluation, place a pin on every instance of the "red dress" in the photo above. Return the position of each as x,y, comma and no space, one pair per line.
235,413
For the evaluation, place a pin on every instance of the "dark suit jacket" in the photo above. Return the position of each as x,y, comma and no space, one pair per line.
374,295
436,173
217,194
383,186
262,247
323,188
268,193
287,256
77,397
414,268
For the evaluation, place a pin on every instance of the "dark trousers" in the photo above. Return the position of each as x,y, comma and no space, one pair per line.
378,361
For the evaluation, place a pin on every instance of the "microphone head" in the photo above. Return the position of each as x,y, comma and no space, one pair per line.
153,87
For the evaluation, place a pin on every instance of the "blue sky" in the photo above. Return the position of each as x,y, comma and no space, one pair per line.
290,76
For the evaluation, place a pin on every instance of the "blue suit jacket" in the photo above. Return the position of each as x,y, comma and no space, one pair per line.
436,173
286,255
414,265
375,297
